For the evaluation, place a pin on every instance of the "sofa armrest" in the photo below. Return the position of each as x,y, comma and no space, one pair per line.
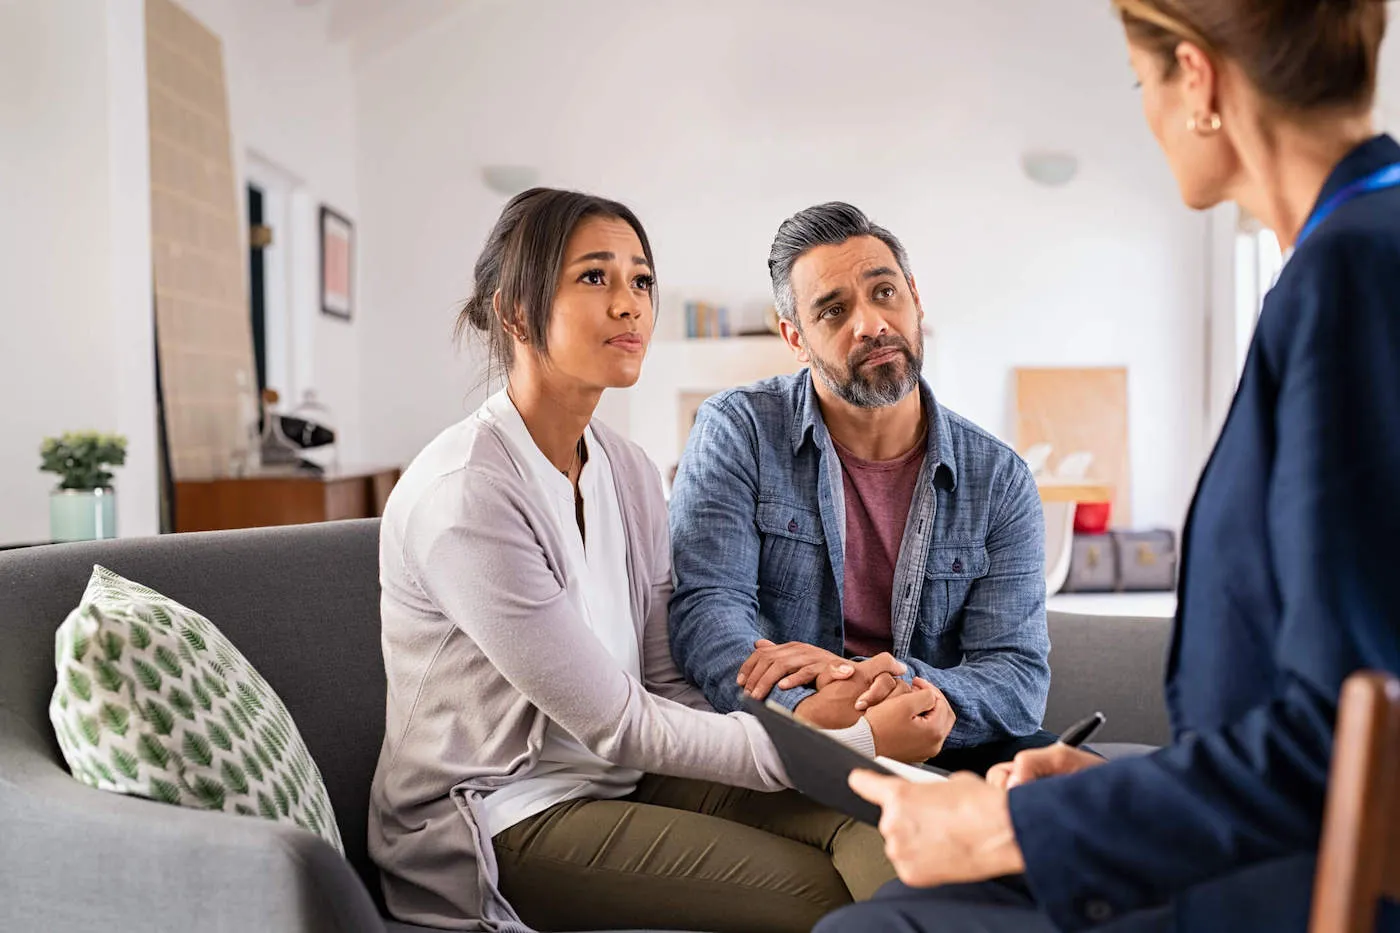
73,858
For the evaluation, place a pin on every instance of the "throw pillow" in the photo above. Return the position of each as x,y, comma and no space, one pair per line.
152,700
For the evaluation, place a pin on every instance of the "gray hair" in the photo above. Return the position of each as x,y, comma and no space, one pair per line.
827,224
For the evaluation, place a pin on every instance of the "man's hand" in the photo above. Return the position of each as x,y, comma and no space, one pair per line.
797,663
834,706
1036,763
789,665
878,676
912,727
948,832
880,687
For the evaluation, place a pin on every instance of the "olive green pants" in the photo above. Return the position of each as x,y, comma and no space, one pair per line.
688,855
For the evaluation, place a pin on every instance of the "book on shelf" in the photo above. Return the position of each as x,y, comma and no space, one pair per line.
703,319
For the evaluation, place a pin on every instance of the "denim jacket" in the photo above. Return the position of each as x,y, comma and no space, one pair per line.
758,546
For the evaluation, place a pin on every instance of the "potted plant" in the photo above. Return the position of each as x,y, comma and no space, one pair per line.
84,506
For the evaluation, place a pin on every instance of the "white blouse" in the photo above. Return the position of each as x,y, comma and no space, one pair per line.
599,589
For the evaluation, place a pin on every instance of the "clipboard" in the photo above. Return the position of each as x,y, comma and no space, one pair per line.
819,765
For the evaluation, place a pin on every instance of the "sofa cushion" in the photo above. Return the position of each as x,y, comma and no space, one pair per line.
152,700
1114,664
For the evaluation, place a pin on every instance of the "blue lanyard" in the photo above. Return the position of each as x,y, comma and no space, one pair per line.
1388,177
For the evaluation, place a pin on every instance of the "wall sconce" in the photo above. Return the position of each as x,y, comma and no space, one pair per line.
509,180
1051,169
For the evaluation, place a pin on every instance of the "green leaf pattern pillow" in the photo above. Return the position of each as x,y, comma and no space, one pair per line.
152,700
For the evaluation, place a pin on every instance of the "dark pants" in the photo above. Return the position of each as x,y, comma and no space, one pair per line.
1268,897
978,758
1001,906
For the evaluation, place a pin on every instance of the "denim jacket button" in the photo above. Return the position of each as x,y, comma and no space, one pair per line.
957,565
792,526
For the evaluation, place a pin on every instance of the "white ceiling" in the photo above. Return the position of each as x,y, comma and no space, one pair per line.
349,18
370,26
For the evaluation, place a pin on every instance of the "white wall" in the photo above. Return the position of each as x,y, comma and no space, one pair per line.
717,120
132,324
292,103
74,250
1388,91
714,120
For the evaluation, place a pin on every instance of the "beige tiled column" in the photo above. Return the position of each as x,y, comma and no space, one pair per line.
204,338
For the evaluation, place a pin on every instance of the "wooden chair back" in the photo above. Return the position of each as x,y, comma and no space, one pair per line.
1359,860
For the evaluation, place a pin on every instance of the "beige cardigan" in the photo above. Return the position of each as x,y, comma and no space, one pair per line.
482,647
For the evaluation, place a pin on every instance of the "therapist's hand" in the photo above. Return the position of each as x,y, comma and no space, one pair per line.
950,832
1036,763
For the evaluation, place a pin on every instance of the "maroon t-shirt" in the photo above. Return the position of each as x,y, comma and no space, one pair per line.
877,495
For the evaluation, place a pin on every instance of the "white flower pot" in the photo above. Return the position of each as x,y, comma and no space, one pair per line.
82,514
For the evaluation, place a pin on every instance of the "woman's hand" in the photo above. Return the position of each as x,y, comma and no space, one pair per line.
913,726
1036,763
948,832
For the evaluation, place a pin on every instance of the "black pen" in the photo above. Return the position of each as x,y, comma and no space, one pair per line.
1079,733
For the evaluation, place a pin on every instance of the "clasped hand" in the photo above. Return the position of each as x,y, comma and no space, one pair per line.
909,723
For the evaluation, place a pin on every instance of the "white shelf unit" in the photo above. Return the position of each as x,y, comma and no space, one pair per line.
674,369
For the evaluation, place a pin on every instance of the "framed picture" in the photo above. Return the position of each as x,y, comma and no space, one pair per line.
337,258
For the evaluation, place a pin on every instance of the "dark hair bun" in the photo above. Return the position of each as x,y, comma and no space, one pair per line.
478,311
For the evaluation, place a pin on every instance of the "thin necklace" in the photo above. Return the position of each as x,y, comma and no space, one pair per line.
577,447
574,461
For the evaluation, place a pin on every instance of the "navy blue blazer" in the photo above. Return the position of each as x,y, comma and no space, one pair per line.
1290,582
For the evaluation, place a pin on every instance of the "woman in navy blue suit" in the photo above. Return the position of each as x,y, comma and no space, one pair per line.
1289,577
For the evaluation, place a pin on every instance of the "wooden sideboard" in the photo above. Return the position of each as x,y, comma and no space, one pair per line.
281,498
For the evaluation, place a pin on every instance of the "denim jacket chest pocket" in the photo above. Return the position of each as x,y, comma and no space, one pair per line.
792,554
949,573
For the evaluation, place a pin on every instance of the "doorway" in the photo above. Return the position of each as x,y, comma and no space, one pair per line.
259,238
281,338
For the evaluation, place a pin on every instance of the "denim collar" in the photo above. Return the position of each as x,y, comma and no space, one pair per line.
807,422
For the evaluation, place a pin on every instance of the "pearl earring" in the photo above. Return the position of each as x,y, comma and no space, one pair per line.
1208,126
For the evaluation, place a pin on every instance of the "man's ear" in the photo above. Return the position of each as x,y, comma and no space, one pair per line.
793,338
918,302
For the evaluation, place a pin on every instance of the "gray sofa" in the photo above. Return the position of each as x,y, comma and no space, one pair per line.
302,603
